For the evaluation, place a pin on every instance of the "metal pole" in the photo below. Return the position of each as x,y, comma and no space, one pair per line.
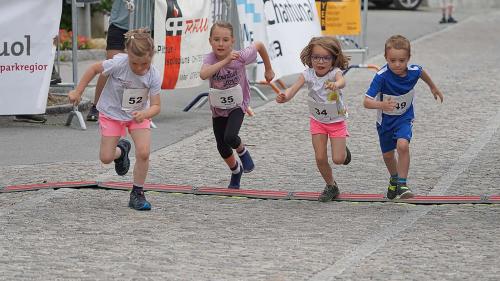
88,27
130,7
74,26
364,31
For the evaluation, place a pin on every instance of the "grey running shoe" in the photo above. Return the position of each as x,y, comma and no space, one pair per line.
93,114
138,201
404,192
347,156
31,118
122,164
329,193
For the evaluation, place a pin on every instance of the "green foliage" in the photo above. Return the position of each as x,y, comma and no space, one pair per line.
104,7
66,16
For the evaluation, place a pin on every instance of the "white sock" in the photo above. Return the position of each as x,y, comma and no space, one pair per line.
243,152
237,169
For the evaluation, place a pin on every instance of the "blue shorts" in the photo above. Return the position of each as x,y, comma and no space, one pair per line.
389,138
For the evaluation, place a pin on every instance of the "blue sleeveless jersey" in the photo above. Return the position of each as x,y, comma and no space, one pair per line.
386,82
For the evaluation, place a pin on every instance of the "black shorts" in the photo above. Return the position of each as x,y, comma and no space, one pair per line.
116,38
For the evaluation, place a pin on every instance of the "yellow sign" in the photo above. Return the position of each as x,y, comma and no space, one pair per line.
339,17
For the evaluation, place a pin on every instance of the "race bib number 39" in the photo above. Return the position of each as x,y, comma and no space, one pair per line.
134,99
226,99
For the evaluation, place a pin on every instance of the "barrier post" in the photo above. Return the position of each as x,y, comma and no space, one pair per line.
74,52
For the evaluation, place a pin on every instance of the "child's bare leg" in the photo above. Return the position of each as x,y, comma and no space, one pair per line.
403,148
230,161
142,143
240,147
390,162
403,163
108,151
320,143
450,10
338,150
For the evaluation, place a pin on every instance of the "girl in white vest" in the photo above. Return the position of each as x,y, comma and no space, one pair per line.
328,113
129,100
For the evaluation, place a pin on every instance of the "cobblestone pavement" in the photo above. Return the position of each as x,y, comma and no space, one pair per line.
92,235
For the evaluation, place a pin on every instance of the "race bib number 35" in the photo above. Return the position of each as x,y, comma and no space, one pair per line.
226,99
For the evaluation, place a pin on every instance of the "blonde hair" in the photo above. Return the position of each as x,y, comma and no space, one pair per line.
332,45
397,42
139,42
222,24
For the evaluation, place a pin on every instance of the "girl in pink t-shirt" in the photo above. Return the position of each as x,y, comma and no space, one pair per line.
229,94
328,113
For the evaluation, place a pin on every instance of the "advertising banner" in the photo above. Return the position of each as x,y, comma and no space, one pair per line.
27,54
339,17
288,26
181,31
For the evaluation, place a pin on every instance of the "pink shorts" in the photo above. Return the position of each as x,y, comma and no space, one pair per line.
116,128
333,130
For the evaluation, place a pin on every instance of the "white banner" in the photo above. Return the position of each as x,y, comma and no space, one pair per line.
181,31
289,25
252,21
27,54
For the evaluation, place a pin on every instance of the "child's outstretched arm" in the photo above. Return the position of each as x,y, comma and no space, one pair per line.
268,69
290,92
338,84
208,70
434,89
75,96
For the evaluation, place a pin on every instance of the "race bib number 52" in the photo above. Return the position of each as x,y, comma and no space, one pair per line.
134,99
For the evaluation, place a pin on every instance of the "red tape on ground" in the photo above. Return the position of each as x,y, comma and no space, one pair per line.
261,194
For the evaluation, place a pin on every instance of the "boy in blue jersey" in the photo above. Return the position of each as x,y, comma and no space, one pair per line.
392,94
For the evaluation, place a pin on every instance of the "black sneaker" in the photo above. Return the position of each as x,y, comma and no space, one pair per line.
122,164
329,193
138,201
443,20
31,118
93,114
55,78
392,191
247,162
235,179
404,192
451,20
347,155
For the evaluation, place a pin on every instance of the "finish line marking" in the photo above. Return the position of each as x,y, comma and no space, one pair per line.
261,194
